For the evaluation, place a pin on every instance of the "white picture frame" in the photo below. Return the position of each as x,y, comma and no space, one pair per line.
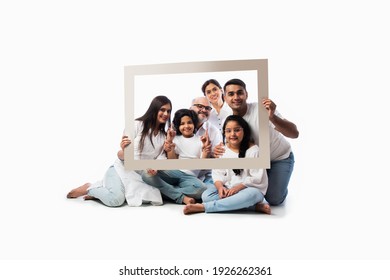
181,82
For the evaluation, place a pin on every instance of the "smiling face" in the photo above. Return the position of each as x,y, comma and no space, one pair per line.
234,134
235,97
186,126
201,106
213,94
164,114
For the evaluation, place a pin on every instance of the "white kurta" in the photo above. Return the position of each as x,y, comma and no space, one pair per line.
256,178
136,190
218,119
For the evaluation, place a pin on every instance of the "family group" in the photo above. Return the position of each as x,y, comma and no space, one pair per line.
219,124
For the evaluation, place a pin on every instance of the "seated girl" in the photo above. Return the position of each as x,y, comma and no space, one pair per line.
235,189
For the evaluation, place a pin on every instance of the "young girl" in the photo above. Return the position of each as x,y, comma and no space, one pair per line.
119,184
235,188
182,186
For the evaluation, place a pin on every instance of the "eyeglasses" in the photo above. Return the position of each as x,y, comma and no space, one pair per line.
235,130
202,107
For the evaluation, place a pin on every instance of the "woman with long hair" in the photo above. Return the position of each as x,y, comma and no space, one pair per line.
212,90
120,185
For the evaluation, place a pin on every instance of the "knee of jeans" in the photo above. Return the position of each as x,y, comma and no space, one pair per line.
146,177
116,201
275,200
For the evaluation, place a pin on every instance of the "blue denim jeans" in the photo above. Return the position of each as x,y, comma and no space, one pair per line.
241,200
112,191
208,181
278,179
175,184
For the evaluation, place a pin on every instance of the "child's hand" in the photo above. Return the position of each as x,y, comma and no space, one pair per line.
206,145
235,189
232,191
205,139
222,192
171,133
169,146
206,150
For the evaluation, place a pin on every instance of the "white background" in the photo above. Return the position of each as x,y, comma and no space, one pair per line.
182,88
62,115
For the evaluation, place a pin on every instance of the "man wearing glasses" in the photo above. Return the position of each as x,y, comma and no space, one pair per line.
201,106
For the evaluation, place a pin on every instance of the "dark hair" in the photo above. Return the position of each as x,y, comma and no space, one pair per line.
149,119
182,113
211,81
234,82
246,140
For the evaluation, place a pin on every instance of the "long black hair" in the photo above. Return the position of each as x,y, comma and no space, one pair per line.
246,140
149,119
182,113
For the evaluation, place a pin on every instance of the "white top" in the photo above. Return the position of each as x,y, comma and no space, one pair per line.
215,137
280,148
150,150
218,119
188,148
256,178
136,190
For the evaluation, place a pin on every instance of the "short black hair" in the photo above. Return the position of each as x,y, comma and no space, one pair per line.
234,82
182,113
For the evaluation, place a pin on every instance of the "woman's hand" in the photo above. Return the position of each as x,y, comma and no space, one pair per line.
125,142
151,172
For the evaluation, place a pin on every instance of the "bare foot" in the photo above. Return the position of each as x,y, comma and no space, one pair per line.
188,200
193,208
80,191
263,208
88,197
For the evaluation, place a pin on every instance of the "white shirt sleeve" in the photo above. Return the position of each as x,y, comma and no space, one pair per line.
220,175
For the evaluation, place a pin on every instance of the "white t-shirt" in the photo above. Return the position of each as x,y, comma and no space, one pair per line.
218,119
188,148
256,178
280,148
